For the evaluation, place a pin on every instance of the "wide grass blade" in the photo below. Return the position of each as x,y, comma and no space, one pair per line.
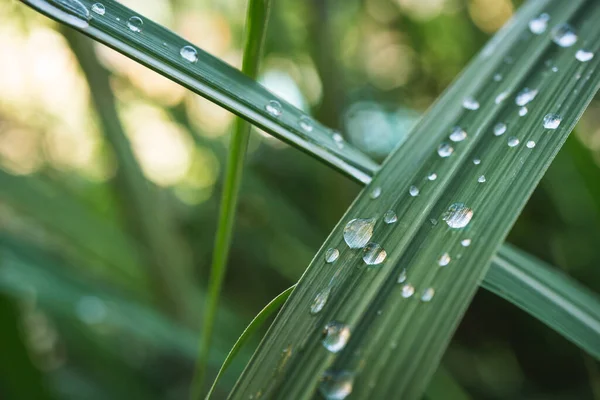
159,49
399,331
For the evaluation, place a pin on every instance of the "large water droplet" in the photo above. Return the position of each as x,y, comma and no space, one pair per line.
444,260
358,232
432,176
458,215
458,134
564,35
390,217
525,96
465,242
523,111
408,290
501,97
445,150
336,385
403,275
335,336
413,191
470,103
320,300
374,254
376,192
539,24
552,121
427,295
306,124
135,24
274,108
99,8
530,144
331,255
500,128
481,179
513,141
584,55
189,53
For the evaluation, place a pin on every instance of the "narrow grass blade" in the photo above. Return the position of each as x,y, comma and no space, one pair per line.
256,28
161,50
255,324
548,295
399,331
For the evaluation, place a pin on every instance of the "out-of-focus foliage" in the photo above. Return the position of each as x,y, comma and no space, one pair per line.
80,276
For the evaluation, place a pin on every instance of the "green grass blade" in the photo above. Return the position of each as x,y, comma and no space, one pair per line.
159,49
256,27
255,324
397,340
548,295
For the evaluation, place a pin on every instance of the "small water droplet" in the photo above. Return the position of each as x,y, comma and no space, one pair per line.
408,290
379,312
512,141
189,53
306,123
390,217
403,275
413,191
445,150
444,260
427,295
552,121
375,193
525,96
458,215
335,336
331,255
564,35
470,103
374,254
432,176
338,139
274,108
336,385
499,128
554,69
358,232
135,24
99,8
501,97
458,134
433,221
538,25
481,179
584,55
523,111
320,300
465,242
530,144
497,77
476,161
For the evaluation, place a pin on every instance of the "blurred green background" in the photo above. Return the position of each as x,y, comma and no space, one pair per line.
110,182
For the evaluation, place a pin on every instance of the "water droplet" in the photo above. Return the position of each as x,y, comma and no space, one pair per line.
379,312
432,176
331,255
403,275
427,295
458,134
375,193
320,300
335,336
500,128
358,232
99,8
445,150
336,385
374,254
458,215
564,35
306,123
523,111
525,96
513,141
584,55
538,25
338,139
554,69
408,290
481,179
444,260
501,97
413,191
135,24
497,77
465,242
530,144
433,221
273,107
552,121
470,103
390,217
190,54
476,161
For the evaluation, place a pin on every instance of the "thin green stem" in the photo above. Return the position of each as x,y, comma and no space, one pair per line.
256,23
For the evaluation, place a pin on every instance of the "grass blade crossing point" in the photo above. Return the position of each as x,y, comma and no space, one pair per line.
256,27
